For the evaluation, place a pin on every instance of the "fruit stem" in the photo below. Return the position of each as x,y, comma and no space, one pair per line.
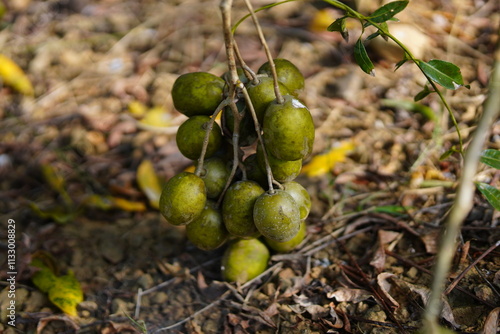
269,56
250,107
208,130
251,76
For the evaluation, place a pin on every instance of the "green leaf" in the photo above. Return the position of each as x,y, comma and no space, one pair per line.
448,153
426,111
386,12
362,59
339,25
442,72
422,94
491,158
395,210
491,193
372,36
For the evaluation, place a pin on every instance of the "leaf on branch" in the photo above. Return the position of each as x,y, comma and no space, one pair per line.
491,193
362,59
386,12
442,72
339,25
422,94
491,158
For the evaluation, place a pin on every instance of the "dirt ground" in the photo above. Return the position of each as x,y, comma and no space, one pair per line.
376,218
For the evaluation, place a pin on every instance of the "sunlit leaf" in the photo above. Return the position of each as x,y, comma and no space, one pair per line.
137,109
149,182
105,202
321,20
395,210
56,182
491,193
323,163
157,117
125,204
99,202
63,291
12,75
442,72
387,11
362,59
491,158
60,214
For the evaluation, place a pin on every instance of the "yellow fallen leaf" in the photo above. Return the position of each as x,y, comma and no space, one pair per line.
157,116
56,182
64,291
127,205
105,202
322,20
190,169
149,183
12,75
323,163
137,109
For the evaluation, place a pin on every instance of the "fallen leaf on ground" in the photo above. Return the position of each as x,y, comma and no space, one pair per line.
149,183
323,163
12,75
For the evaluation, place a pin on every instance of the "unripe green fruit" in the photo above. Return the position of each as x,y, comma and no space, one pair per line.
283,171
262,94
288,246
301,197
191,134
244,260
197,93
247,132
277,216
237,208
288,129
207,231
254,172
183,198
287,73
215,174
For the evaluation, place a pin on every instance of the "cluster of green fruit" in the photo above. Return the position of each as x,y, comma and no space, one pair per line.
215,211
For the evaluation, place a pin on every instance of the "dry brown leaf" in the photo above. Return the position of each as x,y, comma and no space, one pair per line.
492,323
64,318
384,238
431,241
385,288
350,295
317,311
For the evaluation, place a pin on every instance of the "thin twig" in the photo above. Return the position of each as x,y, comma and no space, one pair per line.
463,199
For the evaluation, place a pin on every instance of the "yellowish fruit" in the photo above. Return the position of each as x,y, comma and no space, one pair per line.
288,246
244,260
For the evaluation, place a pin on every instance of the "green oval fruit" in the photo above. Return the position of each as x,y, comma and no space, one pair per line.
248,135
237,208
191,134
207,231
262,94
254,172
288,246
197,93
287,73
301,197
183,198
215,174
288,130
244,260
277,216
283,171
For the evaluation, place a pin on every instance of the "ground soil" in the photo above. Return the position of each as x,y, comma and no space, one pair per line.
376,218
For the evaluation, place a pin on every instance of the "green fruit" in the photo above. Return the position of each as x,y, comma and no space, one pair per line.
183,198
288,246
283,171
288,130
254,172
248,135
197,93
277,216
244,260
191,134
301,197
207,231
287,73
262,94
215,174
237,208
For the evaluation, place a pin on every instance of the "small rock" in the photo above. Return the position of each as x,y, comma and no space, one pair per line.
159,298
88,305
412,273
484,292
376,314
145,281
112,249
35,301
119,307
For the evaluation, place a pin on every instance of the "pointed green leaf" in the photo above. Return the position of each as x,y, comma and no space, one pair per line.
386,12
426,111
422,94
362,59
442,72
372,36
491,158
448,153
491,193
339,25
